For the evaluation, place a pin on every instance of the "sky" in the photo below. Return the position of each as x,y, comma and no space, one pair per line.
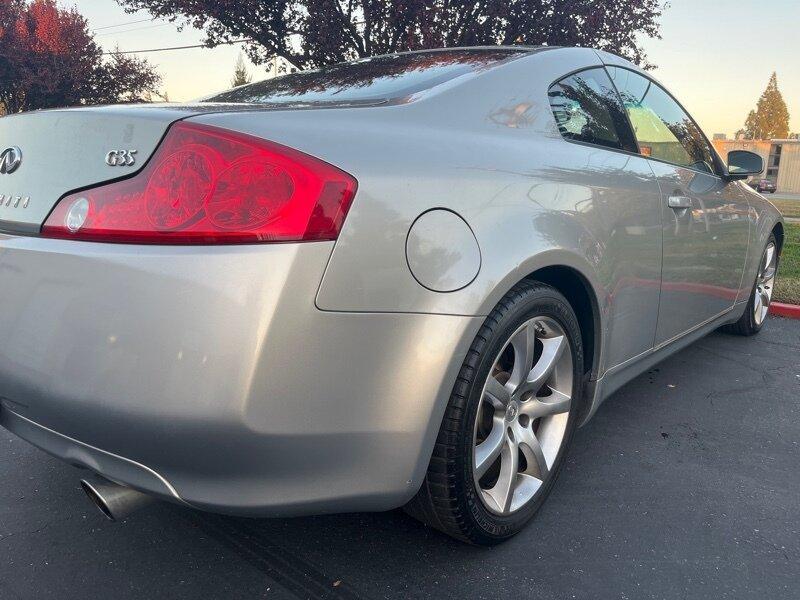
716,56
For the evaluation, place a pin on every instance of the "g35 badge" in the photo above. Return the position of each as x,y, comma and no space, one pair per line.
121,158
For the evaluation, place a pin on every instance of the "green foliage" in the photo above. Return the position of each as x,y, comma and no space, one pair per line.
770,119
788,208
315,33
241,76
787,287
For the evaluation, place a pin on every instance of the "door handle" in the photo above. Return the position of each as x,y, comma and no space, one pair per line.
679,202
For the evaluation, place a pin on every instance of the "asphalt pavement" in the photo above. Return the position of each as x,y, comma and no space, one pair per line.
685,485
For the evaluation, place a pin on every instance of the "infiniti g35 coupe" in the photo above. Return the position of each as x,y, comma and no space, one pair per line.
398,281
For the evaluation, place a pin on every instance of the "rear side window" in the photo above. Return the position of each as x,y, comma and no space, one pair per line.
369,80
663,129
587,109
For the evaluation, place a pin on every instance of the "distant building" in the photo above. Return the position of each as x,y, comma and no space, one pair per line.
781,158
720,137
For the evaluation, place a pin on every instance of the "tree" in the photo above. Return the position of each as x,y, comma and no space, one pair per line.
770,119
48,58
314,33
10,49
241,76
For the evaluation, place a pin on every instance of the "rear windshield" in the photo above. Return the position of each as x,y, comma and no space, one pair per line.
370,80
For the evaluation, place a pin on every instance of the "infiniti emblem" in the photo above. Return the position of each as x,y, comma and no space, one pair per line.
512,411
10,160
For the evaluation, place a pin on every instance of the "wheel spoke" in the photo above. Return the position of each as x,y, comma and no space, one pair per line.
526,488
487,451
524,343
765,298
552,349
554,404
498,394
532,449
503,491
769,257
768,265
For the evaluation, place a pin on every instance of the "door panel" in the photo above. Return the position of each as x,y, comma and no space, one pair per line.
704,218
631,259
705,246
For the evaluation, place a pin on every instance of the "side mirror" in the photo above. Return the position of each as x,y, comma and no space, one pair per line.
743,164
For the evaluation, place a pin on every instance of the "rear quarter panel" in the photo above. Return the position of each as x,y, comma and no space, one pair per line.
487,148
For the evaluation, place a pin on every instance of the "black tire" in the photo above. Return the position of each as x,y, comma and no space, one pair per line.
448,499
747,325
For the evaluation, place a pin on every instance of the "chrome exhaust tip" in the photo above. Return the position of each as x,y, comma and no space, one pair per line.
113,500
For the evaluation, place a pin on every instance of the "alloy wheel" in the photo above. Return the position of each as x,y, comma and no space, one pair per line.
765,283
523,415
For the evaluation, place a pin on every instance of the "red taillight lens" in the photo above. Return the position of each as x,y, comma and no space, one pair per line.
206,185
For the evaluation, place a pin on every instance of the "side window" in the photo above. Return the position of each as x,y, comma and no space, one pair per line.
663,130
587,109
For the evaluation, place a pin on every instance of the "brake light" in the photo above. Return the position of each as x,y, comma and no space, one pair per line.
206,185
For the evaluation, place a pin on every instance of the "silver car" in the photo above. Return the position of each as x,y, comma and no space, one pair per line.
399,281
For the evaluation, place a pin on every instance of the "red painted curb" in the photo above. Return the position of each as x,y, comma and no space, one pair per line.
790,311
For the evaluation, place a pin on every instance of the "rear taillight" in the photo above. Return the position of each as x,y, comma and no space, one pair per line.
206,185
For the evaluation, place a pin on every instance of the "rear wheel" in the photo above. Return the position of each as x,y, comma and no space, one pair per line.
757,310
509,420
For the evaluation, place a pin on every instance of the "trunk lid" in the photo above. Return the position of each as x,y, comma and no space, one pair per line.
66,150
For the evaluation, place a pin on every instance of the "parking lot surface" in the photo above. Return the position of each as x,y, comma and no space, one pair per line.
685,485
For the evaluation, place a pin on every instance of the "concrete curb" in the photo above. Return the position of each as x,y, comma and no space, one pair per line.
790,311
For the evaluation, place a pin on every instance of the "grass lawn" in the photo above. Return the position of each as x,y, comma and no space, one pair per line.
787,288
789,208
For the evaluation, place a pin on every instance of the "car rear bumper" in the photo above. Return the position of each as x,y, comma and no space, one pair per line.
208,375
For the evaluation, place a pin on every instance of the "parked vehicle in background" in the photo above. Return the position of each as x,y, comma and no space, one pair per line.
764,186
400,281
